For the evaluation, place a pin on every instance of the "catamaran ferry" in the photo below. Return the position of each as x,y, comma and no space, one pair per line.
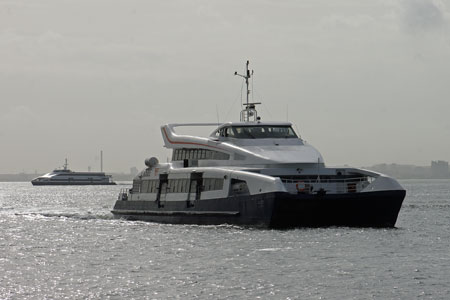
258,174
65,176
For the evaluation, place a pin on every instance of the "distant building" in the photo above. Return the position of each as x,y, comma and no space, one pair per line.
402,171
439,169
133,171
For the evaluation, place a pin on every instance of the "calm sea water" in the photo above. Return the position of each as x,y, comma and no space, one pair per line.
62,243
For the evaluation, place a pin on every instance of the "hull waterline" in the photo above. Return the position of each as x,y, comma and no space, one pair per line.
274,210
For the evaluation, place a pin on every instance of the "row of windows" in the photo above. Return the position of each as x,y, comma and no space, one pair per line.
181,154
136,185
210,184
149,186
257,132
178,185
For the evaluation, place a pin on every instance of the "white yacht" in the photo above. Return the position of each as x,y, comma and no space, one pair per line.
258,174
65,176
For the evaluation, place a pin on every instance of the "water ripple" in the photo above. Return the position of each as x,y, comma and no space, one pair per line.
64,243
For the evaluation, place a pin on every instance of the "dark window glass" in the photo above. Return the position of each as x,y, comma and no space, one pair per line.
218,184
136,186
197,154
155,186
263,132
144,188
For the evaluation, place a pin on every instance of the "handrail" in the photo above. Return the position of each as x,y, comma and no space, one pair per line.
123,194
173,125
327,180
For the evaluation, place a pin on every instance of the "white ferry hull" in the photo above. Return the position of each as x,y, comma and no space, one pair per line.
67,177
71,183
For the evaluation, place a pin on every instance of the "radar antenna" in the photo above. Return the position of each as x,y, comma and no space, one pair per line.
249,114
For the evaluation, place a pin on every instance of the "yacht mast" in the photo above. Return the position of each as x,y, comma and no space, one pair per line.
101,160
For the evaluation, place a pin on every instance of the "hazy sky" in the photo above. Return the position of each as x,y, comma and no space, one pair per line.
364,81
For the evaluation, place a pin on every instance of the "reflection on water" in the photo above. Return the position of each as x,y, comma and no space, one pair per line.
62,242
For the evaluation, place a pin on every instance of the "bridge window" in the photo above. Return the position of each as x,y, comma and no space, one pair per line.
260,132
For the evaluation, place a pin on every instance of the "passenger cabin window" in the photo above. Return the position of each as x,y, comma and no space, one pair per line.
211,184
176,185
136,186
259,132
198,154
146,186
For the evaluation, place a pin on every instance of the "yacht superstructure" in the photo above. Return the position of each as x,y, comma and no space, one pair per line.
65,176
256,173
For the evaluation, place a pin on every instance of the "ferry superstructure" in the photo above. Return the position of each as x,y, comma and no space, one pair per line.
65,176
259,174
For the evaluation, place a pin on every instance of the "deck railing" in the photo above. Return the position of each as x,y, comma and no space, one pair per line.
330,185
329,180
123,194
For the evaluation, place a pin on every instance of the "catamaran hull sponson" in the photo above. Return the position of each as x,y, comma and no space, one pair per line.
274,210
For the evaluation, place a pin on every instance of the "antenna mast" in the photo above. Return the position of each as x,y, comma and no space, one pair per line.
247,77
249,110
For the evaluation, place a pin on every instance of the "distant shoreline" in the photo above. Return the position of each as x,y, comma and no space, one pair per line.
128,177
436,170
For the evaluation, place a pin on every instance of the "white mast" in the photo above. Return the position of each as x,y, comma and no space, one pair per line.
249,111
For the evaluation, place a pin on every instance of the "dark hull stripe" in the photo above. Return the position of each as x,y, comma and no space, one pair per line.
274,210
73,183
176,213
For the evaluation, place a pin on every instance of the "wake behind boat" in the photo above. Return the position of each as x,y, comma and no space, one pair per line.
256,173
65,176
